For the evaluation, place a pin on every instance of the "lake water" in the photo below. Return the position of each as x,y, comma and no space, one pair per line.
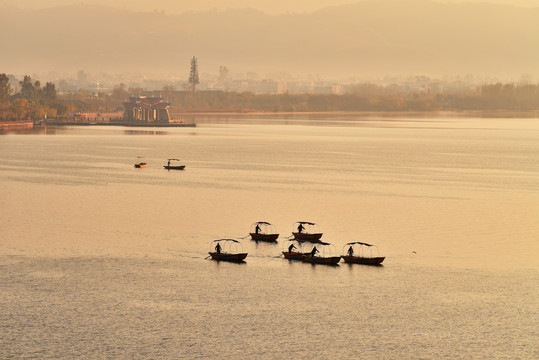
102,260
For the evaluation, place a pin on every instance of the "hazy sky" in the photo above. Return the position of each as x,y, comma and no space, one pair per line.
378,38
268,6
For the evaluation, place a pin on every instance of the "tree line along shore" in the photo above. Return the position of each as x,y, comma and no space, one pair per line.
34,102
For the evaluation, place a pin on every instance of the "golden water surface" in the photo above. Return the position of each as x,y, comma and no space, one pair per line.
102,260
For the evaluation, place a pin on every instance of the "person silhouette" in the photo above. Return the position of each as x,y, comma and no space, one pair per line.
218,248
291,247
350,251
257,229
314,251
301,228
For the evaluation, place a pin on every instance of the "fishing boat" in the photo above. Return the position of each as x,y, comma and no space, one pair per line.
288,250
227,250
306,231
322,253
140,164
355,254
168,166
263,231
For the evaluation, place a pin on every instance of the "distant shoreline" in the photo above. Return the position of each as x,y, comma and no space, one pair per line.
455,113
52,123
499,114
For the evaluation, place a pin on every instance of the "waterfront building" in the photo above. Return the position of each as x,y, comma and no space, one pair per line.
146,109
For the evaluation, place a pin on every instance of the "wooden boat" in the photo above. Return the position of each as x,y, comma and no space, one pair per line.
177,167
228,257
307,237
293,250
325,255
356,254
264,237
173,167
293,255
331,260
363,260
227,250
263,231
306,231
140,164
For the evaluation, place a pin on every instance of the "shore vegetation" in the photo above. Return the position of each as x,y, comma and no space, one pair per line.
33,101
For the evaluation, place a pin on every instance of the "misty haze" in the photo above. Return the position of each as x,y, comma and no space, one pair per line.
268,179
363,39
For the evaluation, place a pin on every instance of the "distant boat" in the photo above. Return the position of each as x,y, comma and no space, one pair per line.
322,253
140,164
263,231
227,250
355,254
173,167
306,231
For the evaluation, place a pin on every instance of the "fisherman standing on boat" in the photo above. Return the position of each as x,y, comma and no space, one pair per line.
291,247
314,251
300,228
257,229
218,248
168,163
350,251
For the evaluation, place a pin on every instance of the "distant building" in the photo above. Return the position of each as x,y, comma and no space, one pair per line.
146,109
269,87
334,89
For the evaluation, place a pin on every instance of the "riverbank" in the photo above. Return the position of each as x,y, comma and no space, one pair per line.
16,125
127,124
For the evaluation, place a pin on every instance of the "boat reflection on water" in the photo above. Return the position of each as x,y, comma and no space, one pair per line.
145,132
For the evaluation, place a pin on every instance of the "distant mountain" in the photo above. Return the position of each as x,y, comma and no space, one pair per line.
366,38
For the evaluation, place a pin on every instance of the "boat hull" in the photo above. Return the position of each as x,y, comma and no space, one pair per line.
293,255
264,237
332,260
228,257
178,167
302,237
363,260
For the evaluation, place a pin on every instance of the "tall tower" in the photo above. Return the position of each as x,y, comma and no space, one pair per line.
193,74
